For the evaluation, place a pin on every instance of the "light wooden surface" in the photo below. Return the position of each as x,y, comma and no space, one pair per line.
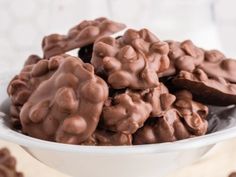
28,165
219,162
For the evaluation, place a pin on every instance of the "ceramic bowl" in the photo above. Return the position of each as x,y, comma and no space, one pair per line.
155,160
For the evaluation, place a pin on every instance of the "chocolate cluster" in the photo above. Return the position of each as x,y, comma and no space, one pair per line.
35,71
8,164
233,174
125,90
131,61
83,34
67,106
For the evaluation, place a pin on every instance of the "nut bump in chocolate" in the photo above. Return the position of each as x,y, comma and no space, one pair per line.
186,118
184,56
21,87
66,108
83,34
215,77
131,61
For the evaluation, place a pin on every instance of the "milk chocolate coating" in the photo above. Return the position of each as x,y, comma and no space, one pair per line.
186,118
127,112
159,98
213,81
66,108
184,56
131,61
32,59
208,71
21,87
216,65
83,34
8,164
214,91
108,138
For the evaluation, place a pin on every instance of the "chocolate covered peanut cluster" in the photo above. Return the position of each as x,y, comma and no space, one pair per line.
131,61
126,89
215,77
66,107
21,87
185,118
83,34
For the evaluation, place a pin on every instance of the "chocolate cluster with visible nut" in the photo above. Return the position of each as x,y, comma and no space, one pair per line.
127,112
65,108
35,71
8,164
214,76
121,90
131,61
83,34
185,118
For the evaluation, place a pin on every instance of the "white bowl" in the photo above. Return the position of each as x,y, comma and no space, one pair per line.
156,160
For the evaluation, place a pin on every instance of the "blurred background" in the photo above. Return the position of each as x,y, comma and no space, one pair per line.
209,23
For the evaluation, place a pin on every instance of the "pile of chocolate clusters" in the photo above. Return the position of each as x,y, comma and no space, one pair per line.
124,90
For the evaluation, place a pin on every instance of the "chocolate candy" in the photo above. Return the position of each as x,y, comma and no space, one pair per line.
127,112
32,59
8,164
23,85
159,98
147,95
184,56
208,90
83,34
108,138
233,174
213,81
186,118
131,61
66,108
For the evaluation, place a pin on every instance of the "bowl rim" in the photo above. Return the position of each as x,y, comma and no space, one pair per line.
197,142
29,142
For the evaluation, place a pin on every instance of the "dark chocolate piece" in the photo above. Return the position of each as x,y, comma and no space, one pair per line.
8,164
186,118
85,53
131,61
83,34
66,108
